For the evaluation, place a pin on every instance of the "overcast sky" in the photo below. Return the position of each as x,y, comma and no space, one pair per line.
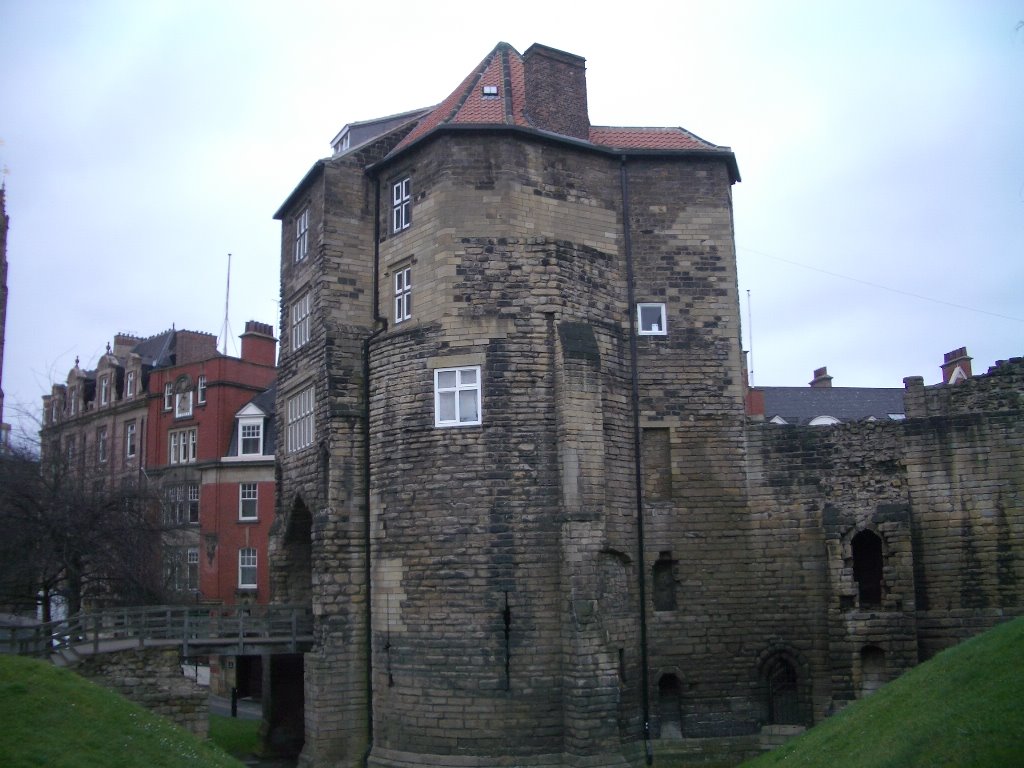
879,223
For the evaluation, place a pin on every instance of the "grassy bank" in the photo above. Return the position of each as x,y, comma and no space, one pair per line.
963,708
51,717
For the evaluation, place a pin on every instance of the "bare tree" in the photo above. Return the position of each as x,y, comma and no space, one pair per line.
66,534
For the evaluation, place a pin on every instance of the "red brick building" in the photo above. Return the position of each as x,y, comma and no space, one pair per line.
173,416
193,406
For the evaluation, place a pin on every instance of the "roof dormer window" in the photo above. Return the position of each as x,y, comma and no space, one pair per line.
490,92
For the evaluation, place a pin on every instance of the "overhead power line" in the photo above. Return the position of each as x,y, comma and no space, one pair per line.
880,286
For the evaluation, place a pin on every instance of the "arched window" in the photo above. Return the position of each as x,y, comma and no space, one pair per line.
670,709
867,567
783,694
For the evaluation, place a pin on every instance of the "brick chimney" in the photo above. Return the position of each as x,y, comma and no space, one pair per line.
258,343
193,346
821,379
124,342
956,366
556,91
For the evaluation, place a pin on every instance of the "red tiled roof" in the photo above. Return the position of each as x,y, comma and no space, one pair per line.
503,68
647,138
466,104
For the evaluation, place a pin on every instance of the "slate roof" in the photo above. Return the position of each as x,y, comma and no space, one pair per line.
266,401
799,405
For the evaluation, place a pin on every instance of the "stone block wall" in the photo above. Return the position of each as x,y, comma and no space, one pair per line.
941,491
153,678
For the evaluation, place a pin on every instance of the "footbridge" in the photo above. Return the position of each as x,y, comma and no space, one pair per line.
195,629
139,653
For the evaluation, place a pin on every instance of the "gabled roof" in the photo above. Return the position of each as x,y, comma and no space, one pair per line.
503,67
800,405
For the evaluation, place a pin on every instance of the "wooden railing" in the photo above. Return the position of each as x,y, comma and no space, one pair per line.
197,629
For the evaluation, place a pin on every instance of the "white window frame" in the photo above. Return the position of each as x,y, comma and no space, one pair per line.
248,501
192,505
302,235
300,420
651,328
300,320
183,404
403,294
129,440
104,390
192,569
452,392
249,424
101,445
181,445
201,389
129,384
248,564
401,204
168,396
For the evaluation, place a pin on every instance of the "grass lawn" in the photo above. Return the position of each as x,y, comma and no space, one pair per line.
963,708
237,737
52,717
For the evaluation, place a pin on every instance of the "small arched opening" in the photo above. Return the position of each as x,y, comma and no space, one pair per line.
872,669
670,707
867,567
783,692
298,554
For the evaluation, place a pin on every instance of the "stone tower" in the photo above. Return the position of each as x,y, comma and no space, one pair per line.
494,311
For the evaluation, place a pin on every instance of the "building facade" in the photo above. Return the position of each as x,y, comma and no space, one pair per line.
152,417
518,484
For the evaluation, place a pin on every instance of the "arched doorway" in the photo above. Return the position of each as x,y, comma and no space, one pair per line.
670,707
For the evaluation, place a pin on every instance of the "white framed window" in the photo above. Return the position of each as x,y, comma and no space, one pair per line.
182,404
403,294
651,320
302,234
201,389
248,499
73,401
193,503
182,446
193,568
101,445
300,420
168,396
129,440
105,390
181,504
401,204
300,321
457,396
247,568
250,437
129,384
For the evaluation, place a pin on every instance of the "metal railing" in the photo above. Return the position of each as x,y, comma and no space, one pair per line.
197,629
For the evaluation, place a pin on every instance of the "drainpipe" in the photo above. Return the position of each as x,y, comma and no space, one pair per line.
381,325
637,477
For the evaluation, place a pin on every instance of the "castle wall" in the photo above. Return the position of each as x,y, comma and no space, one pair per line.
941,491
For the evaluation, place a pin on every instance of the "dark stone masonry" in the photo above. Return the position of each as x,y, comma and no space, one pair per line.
521,334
